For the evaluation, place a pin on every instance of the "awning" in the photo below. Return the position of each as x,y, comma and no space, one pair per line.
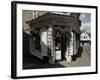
64,29
66,22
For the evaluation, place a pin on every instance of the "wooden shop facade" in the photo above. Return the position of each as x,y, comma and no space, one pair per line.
55,36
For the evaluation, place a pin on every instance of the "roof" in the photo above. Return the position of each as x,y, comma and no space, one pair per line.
56,19
86,32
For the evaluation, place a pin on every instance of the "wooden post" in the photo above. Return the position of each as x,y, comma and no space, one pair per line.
50,43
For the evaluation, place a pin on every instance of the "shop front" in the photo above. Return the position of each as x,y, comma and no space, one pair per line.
54,37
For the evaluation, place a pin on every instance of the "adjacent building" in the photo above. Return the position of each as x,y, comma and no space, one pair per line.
85,39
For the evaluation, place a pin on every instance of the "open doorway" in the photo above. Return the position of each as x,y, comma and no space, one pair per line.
60,44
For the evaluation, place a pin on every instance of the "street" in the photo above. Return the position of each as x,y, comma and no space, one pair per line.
84,60
32,62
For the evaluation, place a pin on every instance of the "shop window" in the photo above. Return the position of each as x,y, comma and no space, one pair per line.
58,41
36,39
37,42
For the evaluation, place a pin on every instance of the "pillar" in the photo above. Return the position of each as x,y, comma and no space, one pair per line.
69,51
44,42
51,47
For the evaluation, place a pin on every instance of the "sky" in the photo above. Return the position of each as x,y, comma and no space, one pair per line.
85,22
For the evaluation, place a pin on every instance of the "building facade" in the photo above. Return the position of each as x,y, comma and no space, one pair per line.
85,39
54,36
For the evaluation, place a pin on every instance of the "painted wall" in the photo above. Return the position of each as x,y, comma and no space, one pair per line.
44,43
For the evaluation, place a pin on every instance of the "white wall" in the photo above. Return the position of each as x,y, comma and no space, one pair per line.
5,40
44,43
71,44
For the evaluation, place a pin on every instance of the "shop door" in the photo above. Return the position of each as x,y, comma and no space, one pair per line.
60,46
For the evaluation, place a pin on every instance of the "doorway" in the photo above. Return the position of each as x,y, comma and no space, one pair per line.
60,44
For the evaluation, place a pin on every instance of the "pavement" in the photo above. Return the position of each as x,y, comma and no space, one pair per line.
32,62
84,60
